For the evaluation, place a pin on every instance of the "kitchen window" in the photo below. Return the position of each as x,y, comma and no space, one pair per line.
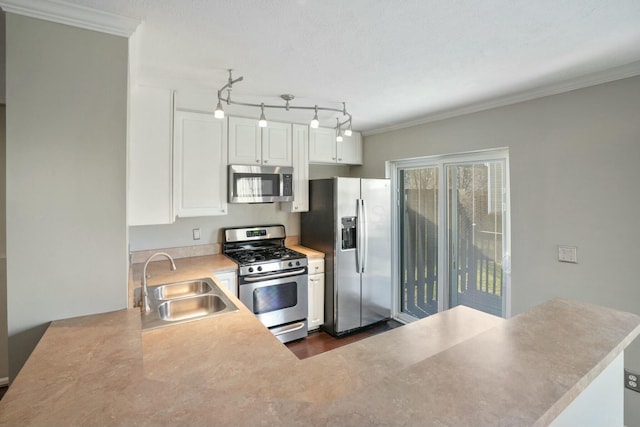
451,233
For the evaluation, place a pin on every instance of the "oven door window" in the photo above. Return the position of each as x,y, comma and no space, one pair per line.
275,297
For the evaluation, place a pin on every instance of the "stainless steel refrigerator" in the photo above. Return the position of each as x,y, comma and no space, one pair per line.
349,219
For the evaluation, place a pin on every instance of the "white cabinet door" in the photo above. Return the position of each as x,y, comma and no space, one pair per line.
245,141
316,301
200,159
350,149
228,280
276,144
150,156
322,145
300,171
250,145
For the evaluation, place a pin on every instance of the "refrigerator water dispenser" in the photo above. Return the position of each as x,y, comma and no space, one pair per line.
349,232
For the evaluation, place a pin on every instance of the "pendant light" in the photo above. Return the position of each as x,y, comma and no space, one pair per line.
339,131
263,121
219,112
315,122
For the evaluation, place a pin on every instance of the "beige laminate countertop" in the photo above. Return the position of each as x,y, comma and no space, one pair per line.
230,371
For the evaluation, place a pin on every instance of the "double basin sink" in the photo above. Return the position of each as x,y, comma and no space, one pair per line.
174,303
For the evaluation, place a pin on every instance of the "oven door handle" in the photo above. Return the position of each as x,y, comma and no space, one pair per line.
274,276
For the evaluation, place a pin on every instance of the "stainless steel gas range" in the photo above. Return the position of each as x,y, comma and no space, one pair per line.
272,279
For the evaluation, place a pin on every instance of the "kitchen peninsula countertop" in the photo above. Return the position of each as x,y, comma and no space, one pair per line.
229,370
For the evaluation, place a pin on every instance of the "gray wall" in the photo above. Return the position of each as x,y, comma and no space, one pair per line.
66,177
4,339
575,177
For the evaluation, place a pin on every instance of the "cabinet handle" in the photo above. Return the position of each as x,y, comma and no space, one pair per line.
339,160
257,160
265,162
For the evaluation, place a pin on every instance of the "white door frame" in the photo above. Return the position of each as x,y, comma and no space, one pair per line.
392,168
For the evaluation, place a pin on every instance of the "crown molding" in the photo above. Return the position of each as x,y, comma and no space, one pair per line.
74,15
593,79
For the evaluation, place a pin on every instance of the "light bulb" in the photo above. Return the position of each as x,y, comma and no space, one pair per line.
339,137
219,112
315,122
347,132
263,120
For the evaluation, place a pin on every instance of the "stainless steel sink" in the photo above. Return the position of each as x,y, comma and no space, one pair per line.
188,308
182,289
180,302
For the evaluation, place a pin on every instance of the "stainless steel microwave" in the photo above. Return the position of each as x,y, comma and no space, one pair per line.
260,184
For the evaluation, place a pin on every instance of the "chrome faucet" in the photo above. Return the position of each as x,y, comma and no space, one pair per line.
144,294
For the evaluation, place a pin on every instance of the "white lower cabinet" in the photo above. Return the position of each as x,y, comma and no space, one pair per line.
228,280
199,164
315,317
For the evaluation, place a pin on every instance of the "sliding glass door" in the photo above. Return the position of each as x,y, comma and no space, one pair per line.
475,211
419,241
451,233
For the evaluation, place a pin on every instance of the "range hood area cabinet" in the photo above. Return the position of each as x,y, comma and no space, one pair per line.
324,149
250,144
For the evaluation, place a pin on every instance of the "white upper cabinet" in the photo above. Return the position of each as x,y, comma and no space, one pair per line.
323,147
251,145
277,144
200,164
150,156
349,151
300,171
245,141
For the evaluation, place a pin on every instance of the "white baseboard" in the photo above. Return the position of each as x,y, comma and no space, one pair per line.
4,381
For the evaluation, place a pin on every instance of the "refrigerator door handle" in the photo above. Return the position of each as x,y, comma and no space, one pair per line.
358,237
364,233
361,233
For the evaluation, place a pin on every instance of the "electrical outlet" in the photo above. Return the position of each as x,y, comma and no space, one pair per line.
568,254
631,380
196,234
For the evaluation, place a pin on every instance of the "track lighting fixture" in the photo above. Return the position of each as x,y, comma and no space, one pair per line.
219,112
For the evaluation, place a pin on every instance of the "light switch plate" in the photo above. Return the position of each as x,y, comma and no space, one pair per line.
196,234
568,254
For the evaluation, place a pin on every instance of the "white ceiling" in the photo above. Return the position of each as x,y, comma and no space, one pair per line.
392,62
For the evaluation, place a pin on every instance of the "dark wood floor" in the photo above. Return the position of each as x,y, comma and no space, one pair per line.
320,341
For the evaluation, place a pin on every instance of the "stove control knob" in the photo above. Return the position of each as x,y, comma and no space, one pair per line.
298,263
250,269
259,268
290,264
